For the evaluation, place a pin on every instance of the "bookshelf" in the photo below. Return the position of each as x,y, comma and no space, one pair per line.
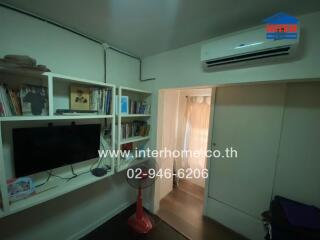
58,92
133,115
58,97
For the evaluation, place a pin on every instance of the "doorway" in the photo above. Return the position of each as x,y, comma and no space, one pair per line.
183,120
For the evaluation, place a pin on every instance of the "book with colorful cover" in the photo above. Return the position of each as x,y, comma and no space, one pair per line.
125,104
5,101
15,100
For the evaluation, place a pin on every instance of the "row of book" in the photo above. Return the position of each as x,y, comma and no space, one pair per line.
134,129
101,100
136,107
129,106
9,102
27,100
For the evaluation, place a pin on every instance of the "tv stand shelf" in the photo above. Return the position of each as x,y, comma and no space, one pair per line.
54,190
54,117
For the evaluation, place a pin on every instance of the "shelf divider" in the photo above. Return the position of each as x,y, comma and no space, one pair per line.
50,95
3,178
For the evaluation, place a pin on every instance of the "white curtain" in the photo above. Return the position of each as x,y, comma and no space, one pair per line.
196,133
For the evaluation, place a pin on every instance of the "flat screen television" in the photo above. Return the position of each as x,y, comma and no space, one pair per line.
45,148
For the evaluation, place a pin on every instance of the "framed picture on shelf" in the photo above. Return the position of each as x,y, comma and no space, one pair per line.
125,104
34,100
79,98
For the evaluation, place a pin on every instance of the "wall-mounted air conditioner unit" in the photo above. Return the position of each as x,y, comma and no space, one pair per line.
245,46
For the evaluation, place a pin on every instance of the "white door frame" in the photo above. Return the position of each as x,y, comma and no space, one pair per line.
156,200
209,147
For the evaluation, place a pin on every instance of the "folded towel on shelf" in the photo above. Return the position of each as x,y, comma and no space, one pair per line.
22,62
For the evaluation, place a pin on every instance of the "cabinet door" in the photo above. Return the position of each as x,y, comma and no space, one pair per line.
247,118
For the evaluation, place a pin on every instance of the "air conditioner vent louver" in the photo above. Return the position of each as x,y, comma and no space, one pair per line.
249,47
250,56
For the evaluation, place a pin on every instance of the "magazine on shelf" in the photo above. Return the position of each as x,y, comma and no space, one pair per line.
5,107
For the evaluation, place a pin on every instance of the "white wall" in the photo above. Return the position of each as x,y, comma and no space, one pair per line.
122,70
64,52
60,50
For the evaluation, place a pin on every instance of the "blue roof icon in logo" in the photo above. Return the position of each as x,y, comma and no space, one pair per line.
281,18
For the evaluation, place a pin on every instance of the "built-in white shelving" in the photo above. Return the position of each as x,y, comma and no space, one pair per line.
58,86
58,98
137,94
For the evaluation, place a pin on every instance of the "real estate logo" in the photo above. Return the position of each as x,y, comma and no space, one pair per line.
281,26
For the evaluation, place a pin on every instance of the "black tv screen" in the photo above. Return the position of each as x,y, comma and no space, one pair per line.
44,148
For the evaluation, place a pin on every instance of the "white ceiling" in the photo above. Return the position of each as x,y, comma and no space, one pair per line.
147,27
